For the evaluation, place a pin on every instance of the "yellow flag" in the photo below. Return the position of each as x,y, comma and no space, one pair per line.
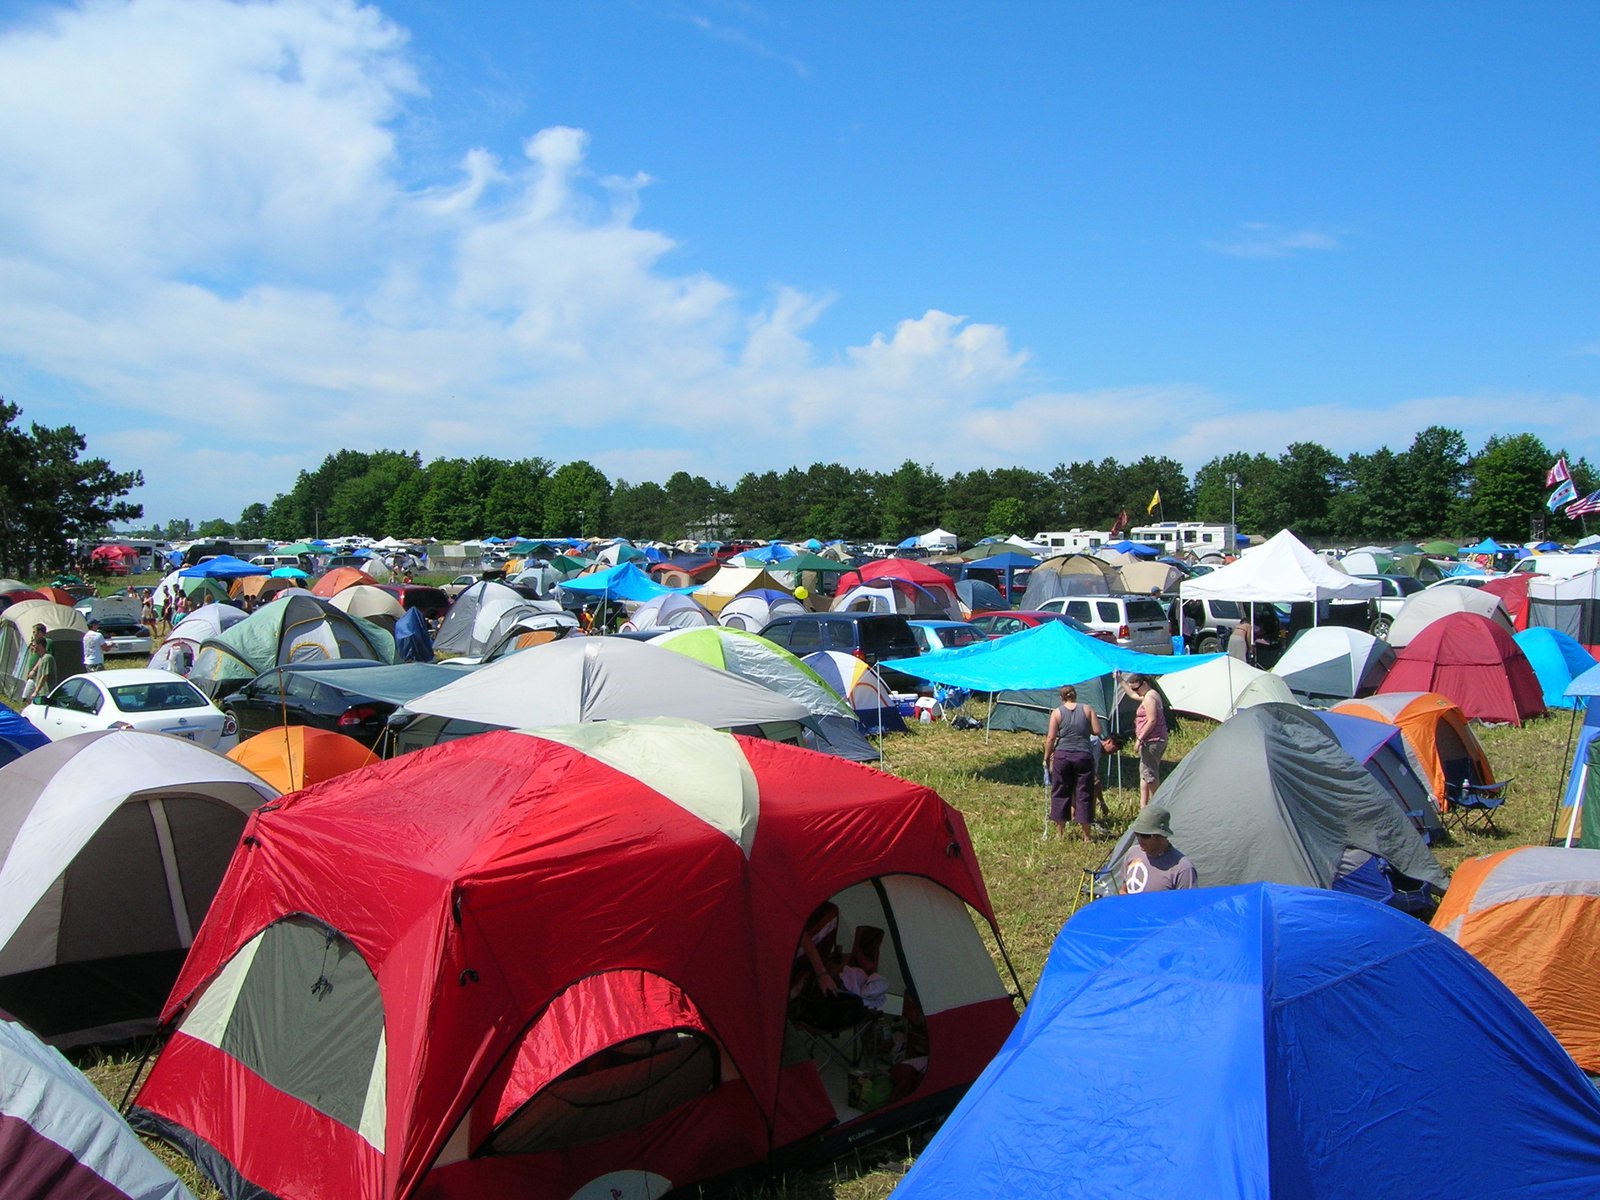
1154,500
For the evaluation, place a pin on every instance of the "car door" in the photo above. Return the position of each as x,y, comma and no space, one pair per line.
257,705
75,707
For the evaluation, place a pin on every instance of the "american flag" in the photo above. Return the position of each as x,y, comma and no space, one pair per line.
1589,504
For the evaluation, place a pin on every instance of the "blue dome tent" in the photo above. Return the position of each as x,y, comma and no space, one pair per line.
1267,1041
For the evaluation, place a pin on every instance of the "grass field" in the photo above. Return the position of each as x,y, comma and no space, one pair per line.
995,780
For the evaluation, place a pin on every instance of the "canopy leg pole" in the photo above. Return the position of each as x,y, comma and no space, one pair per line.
1566,773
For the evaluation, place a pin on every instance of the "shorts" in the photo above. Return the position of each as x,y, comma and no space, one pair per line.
1150,760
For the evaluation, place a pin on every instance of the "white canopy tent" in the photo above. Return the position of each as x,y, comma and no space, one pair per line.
1282,570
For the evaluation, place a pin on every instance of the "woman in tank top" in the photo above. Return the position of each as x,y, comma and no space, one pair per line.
1070,761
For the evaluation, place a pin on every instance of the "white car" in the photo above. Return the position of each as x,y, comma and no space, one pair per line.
151,701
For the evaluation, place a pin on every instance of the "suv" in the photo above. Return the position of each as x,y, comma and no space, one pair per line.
1135,622
1214,622
871,637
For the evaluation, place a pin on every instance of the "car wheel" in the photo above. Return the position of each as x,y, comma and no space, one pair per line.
1210,644
1380,628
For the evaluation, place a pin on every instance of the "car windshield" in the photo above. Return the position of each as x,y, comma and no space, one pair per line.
157,697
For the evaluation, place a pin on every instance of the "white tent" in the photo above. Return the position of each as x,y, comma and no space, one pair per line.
1282,570
113,845
603,679
1223,686
1423,608
937,539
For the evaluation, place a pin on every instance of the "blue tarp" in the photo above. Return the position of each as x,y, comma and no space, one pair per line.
411,641
18,735
775,552
1557,659
1266,1041
1049,655
223,566
622,582
1487,546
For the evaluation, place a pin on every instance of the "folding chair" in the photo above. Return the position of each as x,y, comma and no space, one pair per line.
1094,883
1471,806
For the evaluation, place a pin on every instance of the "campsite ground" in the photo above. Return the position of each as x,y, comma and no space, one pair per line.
995,780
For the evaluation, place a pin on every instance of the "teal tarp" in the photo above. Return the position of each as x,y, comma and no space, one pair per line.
1045,656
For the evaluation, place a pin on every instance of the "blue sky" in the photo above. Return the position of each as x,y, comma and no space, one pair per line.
725,236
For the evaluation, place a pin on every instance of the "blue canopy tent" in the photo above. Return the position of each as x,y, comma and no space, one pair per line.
1264,1041
1048,655
1138,549
223,566
1557,659
910,543
1004,565
1487,546
625,581
1583,775
775,552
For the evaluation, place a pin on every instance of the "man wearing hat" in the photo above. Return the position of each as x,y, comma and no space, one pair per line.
1155,864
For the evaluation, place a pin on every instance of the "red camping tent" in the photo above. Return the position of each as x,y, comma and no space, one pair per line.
1474,662
1513,593
897,568
528,964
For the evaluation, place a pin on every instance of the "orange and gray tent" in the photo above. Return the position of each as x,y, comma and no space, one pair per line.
560,964
1532,916
291,757
111,847
60,1139
1439,742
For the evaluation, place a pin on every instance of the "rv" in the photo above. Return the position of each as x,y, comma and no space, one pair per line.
1073,541
1187,537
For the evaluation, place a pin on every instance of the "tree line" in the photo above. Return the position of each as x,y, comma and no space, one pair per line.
1435,487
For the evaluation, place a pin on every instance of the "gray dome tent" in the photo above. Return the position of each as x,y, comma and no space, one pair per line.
1271,797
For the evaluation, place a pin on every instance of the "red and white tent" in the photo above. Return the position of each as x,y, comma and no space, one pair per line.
537,964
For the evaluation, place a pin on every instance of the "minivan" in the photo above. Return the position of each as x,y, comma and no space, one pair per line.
1136,622
871,637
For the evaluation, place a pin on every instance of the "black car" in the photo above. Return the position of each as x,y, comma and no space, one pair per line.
871,637
293,695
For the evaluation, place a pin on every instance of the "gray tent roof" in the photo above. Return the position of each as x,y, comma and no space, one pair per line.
1271,797
598,679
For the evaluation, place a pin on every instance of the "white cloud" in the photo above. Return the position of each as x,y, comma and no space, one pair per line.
1255,239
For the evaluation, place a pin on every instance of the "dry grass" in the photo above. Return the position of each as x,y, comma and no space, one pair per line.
995,779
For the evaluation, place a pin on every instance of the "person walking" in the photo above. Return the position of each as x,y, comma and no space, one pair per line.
1070,763
1149,732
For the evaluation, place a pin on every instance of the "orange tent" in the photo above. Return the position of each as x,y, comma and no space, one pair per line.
1436,734
58,595
291,757
1532,916
336,580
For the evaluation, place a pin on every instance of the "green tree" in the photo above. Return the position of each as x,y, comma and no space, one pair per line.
216,527
637,507
576,501
1436,468
756,505
515,502
1139,482
51,496
1093,495
1505,487
1373,503
910,498
252,522
1006,515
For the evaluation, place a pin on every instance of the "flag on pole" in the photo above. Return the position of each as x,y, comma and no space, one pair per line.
1154,500
1589,504
1120,523
1557,473
1561,495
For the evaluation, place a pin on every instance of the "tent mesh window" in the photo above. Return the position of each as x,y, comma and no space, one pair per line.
308,1018
622,1087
